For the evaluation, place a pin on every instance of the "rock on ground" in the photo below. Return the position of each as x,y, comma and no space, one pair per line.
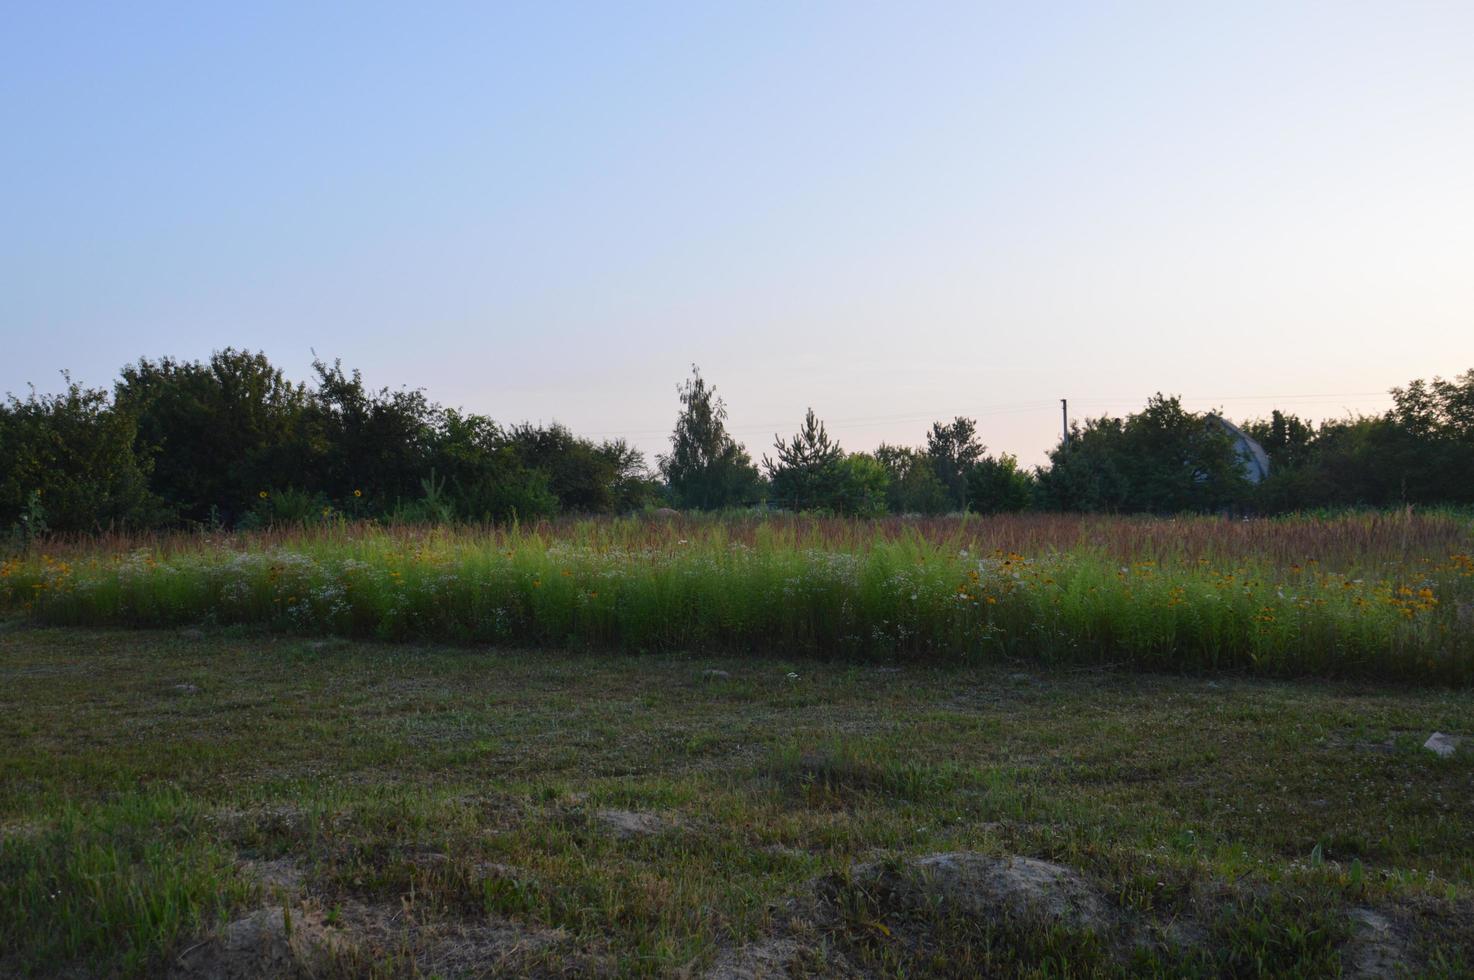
1441,745
983,885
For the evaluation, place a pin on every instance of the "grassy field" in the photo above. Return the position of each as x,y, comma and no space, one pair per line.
193,802
1368,595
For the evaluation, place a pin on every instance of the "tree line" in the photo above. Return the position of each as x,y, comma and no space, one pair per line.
231,442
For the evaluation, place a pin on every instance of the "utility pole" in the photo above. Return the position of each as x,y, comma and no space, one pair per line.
1064,411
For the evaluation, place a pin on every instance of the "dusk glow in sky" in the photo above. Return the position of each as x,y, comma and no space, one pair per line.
893,213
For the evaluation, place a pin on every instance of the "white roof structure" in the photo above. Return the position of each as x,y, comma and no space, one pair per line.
1252,457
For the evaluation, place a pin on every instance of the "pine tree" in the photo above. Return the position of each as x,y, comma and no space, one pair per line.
806,474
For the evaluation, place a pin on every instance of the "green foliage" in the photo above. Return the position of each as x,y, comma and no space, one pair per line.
1160,460
998,486
706,469
487,480
1285,439
30,526
587,478
197,443
914,487
807,475
379,442
863,486
67,464
216,433
874,591
953,449
223,432
287,508
1419,452
121,881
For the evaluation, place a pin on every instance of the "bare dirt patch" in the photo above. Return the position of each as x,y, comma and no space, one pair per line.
1376,949
304,939
280,942
762,960
633,823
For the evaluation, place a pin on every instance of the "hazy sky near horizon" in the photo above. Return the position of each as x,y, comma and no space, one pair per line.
890,212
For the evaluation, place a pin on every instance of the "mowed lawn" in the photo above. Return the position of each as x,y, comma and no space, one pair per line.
216,803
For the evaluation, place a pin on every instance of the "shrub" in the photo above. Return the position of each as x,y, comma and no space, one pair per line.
70,456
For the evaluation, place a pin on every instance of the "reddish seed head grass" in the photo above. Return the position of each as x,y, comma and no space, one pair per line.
1343,542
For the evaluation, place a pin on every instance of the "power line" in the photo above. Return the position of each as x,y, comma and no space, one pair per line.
852,422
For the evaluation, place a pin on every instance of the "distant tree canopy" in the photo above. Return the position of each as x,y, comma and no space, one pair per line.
1421,451
1162,459
231,441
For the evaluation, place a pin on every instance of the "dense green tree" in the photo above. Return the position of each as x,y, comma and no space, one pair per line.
999,486
913,487
217,432
863,483
705,469
1438,409
72,458
1286,439
1085,474
633,486
486,479
954,449
586,477
1429,438
378,442
1162,459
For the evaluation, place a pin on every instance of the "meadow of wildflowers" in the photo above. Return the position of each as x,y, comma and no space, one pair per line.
1387,595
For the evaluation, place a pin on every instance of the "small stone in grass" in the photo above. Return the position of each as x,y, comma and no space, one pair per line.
1441,745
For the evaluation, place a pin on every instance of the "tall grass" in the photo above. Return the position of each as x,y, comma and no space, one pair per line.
1384,595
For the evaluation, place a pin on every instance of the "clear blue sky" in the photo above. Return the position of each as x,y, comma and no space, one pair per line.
891,212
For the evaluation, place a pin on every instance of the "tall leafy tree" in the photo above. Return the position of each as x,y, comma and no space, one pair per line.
216,432
1286,439
379,442
705,468
1162,459
487,481
864,483
953,448
586,477
998,486
913,487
